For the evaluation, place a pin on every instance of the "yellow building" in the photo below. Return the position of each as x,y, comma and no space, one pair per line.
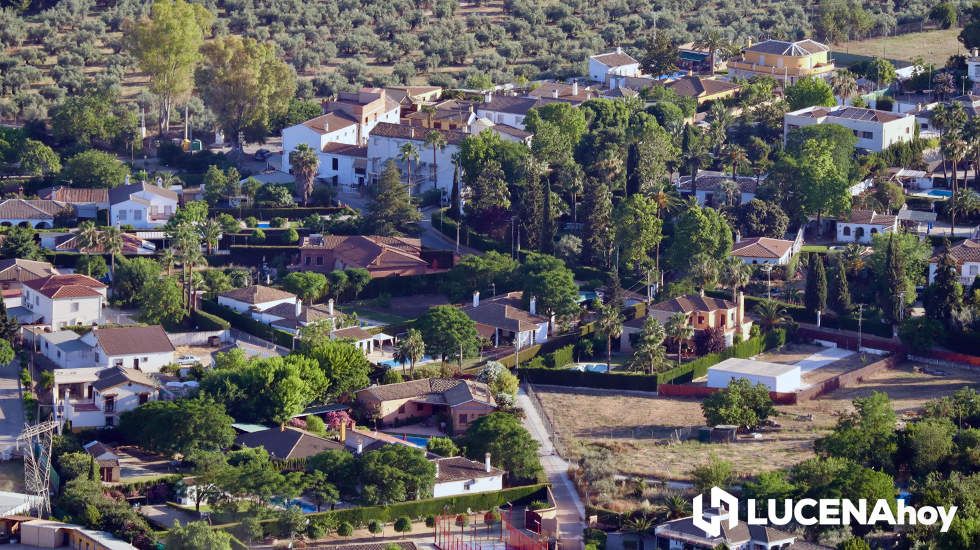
787,62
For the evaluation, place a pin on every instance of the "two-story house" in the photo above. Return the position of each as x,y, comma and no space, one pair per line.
141,205
863,225
380,256
461,401
432,169
457,475
705,312
146,349
787,62
604,66
39,214
967,257
64,300
718,188
94,401
255,298
874,130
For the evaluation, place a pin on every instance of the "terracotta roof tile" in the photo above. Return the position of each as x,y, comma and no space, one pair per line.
870,217
21,209
457,468
615,59
16,269
691,303
66,286
405,131
117,376
433,390
75,195
133,340
330,122
257,294
761,247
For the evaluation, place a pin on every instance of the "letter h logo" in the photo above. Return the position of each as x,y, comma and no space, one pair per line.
712,527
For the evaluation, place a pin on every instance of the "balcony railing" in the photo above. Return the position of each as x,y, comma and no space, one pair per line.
820,68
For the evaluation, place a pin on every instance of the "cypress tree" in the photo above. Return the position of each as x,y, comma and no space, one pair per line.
840,292
455,207
944,299
816,284
548,222
598,231
530,207
8,326
93,471
888,297
632,169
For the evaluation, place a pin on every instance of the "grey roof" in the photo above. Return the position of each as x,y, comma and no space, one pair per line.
288,442
117,376
123,192
781,47
67,341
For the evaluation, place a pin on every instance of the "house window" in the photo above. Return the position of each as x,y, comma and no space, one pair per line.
867,135
700,319
110,404
122,214
319,260
419,407
144,397
117,362
137,214
847,231
74,306
307,260
462,419
168,210
110,421
333,163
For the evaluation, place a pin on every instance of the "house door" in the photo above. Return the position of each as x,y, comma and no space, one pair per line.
136,363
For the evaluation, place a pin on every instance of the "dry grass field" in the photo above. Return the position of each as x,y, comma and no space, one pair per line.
934,46
638,428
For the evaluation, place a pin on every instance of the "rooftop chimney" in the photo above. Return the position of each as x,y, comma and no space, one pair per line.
487,97
554,93
299,308
575,88
738,236
486,462
476,298
533,306
619,49
436,462
360,446
330,306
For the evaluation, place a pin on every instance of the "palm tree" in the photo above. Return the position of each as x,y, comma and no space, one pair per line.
731,189
430,113
843,84
408,153
704,271
410,350
677,506
711,40
610,325
168,260
735,274
639,525
736,157
771,314
210,231
971,133
437,141
719,119
88,236
964,201
953,148
305,164
947,118
678,331
112,244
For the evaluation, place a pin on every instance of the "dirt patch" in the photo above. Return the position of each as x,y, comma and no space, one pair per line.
640,430
934,46
790,354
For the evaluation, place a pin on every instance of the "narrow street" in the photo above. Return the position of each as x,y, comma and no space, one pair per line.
433,238
571,512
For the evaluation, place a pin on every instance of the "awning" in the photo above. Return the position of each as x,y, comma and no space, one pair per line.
382,337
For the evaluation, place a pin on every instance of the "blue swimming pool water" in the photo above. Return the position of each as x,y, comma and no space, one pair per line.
391,363
586,295
306,507
591,367
263,225
419,440
939,193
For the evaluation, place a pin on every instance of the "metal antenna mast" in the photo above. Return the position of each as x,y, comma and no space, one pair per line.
37,439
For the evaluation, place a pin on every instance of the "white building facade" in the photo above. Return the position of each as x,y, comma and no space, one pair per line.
141,205
604,66
875,130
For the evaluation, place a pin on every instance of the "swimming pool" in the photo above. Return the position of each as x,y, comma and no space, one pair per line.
590,367
936,193
263,225
419,440
586,295
306,507
391,363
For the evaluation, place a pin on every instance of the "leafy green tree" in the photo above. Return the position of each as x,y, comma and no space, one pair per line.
810,91
320,490
9,326
490,204
93,168
815,297
551,284
180,426
131,275
834,477
403,524
638,224
758,218
826,187
305,164
308,285
73,465
930,441
892,279
195,535
510,446
37,159
215,282
395,473
210,470
920,334
344,366
699,229
410,349
766,486
943,299
442,446
854,543
19,243
649,353
740,404
478,272
661,56
910,254
713,473
245,84
391,212
599,231
866,436
167,46
161,301
970,35
448,332
92,265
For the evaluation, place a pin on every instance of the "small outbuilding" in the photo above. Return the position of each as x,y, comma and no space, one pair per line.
776,377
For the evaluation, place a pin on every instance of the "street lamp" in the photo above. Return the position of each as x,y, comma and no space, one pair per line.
860,319
768,269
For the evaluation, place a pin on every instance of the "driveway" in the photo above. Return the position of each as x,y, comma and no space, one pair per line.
435,239
11,407
571,512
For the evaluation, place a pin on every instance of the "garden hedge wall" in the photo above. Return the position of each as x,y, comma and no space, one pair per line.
467,236
247,324
292,213
207,321
606,381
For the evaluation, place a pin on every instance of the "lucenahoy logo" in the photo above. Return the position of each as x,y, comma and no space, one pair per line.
808,511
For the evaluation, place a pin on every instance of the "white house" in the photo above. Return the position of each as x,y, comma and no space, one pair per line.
66,349
766,250
63,300
863,225
255,298
461,476
385,144
141,205
718,188
96,401
973,69
875,130
39,214
682,533
606,65
503,319
146,349
361,338
967,257
292,317
777,377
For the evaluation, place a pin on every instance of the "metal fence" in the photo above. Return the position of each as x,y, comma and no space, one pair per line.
556,438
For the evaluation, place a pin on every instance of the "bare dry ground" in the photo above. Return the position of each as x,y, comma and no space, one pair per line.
638,428
934,46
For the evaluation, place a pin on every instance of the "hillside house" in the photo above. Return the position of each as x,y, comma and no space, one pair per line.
705,312
966,254
39,214
717,188
702,89
385,144
461,476
875,130
93,400
142,348
682,533
766,250
787,62
288,442
863,225
380,256
504,321
461,401
62,300
255,298
604,66
15,271
293,317
141,205
106,459
86,201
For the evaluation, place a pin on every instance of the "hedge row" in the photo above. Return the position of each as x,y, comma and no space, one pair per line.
408,285
586,379
560,357
743,350
871,323
206,321
467,236
249,325
293,213
524,355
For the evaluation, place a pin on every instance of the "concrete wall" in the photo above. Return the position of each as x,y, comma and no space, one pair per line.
467,486
198,338
242,307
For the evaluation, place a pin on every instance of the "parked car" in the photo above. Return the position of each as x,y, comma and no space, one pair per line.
262,154
187,360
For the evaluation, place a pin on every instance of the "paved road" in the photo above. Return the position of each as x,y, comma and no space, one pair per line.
571,512
433,238
11,406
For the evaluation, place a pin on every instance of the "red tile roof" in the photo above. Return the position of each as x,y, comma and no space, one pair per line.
404,131
133,340
761,247
374,253
257,294
330,122
691,303
870,217
75,195
21,209
966,251
615,59
66,286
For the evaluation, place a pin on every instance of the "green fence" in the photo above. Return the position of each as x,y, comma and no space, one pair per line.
247,324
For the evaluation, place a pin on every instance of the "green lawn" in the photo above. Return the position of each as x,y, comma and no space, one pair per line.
818,248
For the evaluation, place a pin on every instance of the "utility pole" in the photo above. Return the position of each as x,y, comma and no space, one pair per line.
860,320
